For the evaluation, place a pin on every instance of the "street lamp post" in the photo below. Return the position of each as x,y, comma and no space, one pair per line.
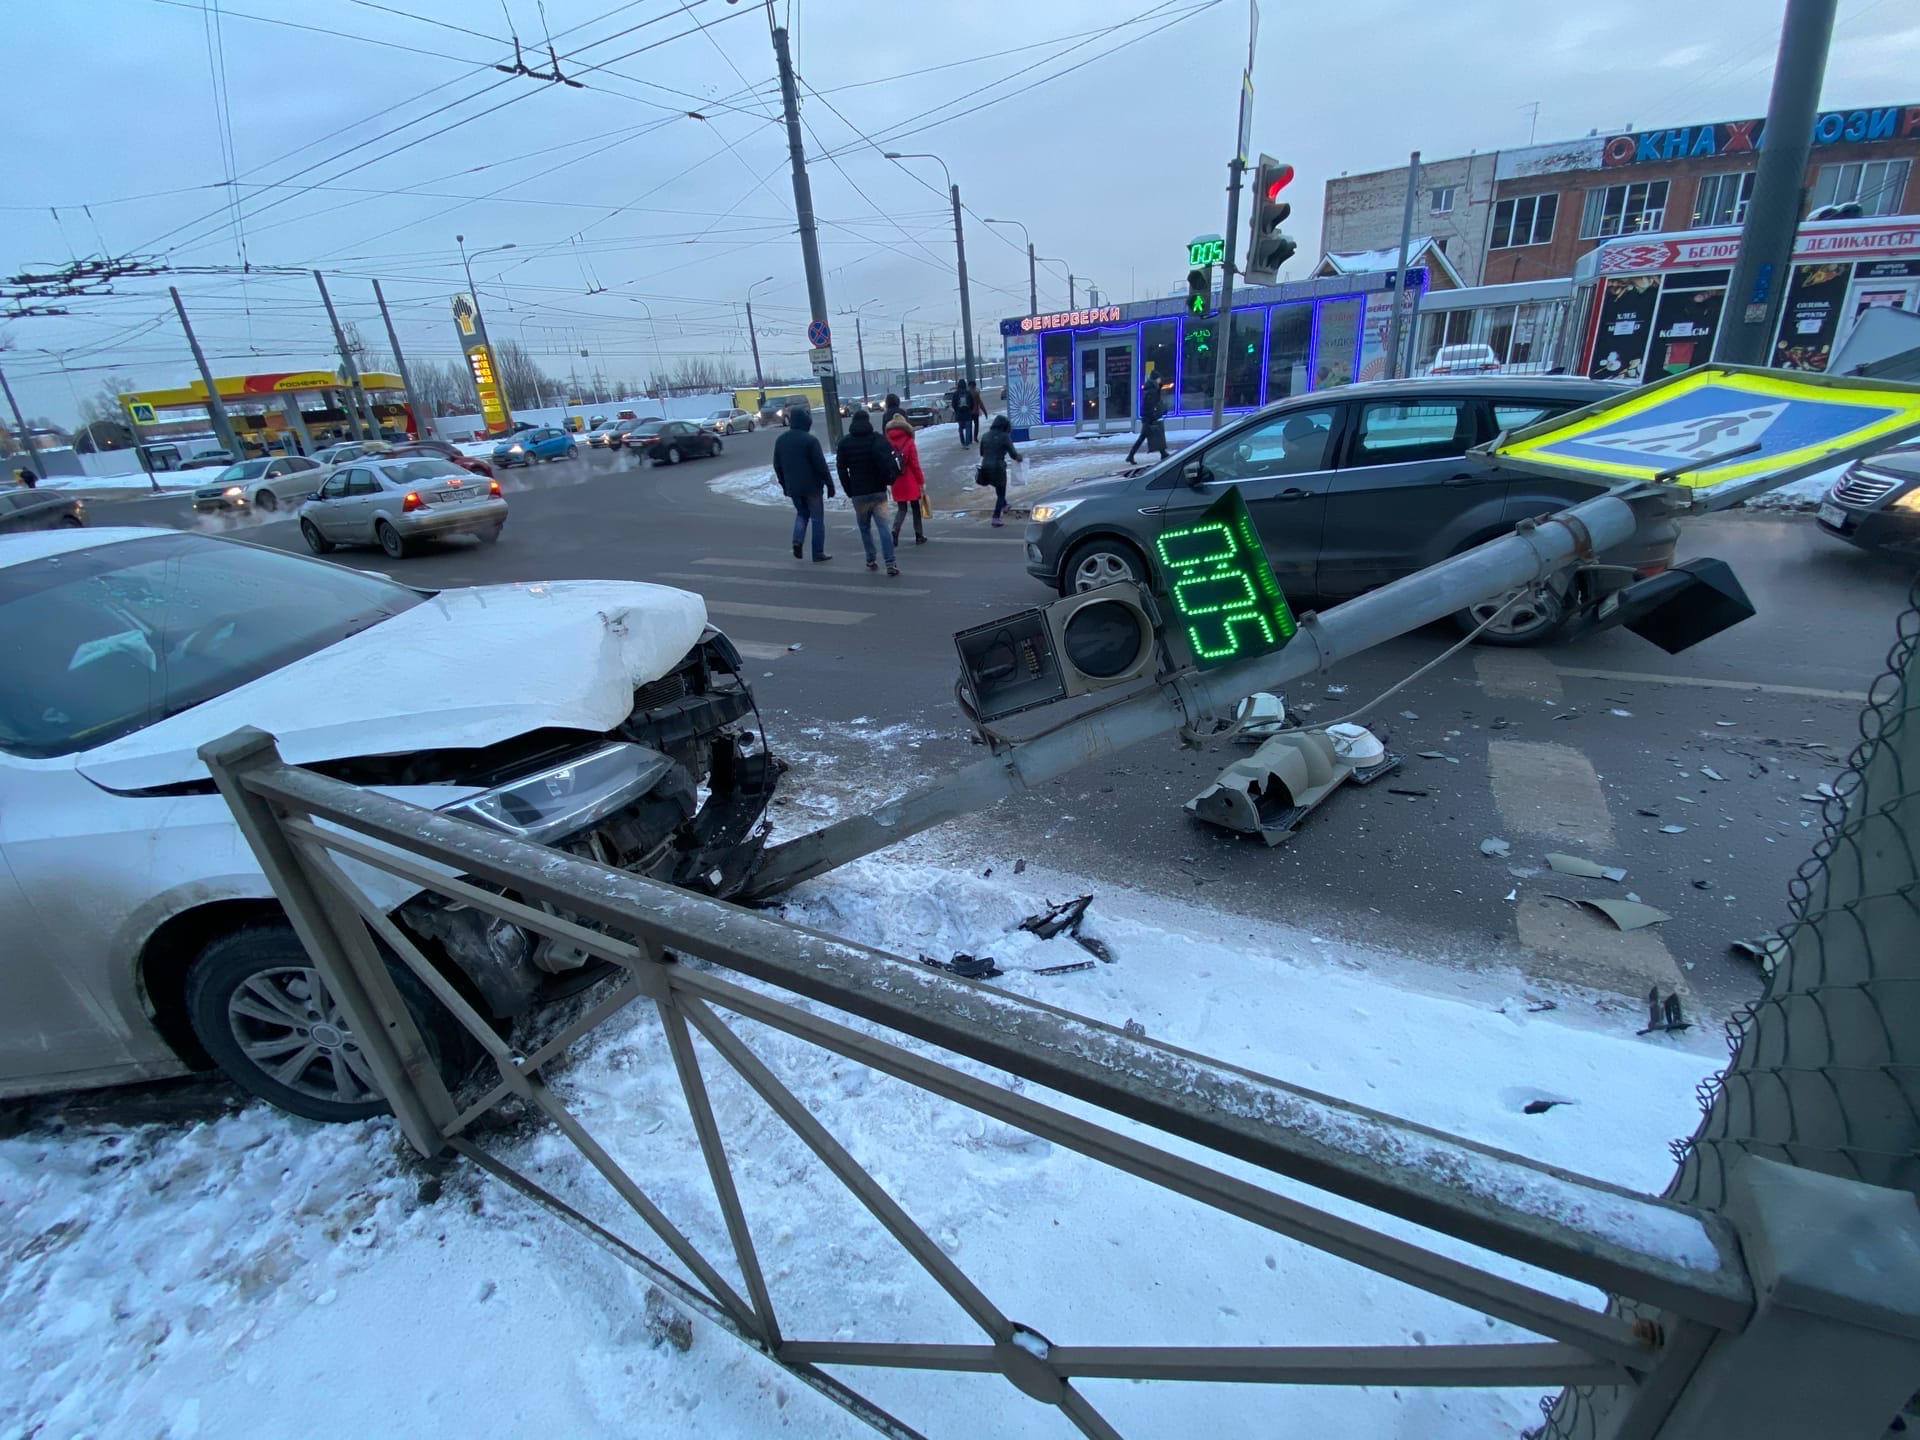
860,343
1033,284
753,339
659,362
959,247
466,262
906,373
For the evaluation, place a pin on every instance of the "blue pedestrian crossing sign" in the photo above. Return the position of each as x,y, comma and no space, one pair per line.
818,334
1719,424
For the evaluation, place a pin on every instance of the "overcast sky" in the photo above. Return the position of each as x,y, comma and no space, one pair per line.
360,140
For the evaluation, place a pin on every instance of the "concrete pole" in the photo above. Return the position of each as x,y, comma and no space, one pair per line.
20,436
1071,303
860,347
290,406
1400,281
1752,306
1033,284
759,379
1222,346
355,395
803,212
966,297
906,373
215,406
420,417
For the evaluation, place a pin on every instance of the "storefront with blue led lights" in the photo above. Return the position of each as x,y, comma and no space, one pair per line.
1082,370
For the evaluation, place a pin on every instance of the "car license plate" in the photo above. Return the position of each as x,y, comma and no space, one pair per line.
1832,515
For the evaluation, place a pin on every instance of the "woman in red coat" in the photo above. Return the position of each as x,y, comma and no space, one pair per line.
912,483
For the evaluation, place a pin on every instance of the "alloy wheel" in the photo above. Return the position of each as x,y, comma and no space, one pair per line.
1101,567
291,1026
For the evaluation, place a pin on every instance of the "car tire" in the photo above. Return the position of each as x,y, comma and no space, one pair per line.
1535,619
717,446
1101,561
391,541
316,542
266,502
673,455
255,1003
573,452
69,522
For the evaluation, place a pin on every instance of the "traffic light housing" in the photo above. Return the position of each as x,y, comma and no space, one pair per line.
1269,247
1086,642
1199,290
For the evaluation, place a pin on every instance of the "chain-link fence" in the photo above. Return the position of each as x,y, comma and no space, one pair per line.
1826,1064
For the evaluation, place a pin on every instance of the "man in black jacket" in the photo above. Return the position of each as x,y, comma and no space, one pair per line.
867,466
800,465
963,412
1153,426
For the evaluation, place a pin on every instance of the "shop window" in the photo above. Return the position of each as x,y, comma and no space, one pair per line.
1247,336
1339,337
1199,352
1723,199
1876,186
1056,368
1156,353
1443,199
1624,209
1524,220
1289,345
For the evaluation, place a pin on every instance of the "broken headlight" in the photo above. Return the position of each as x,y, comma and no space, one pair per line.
563,799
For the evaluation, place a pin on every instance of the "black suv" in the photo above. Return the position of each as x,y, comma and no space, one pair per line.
1350,489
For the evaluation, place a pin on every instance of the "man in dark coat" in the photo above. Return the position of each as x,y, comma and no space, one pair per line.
867,466
1153,410
963,412
800,465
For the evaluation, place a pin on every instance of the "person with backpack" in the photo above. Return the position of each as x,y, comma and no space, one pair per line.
800,465
964,413
867,466
996,448
1153,410
912,484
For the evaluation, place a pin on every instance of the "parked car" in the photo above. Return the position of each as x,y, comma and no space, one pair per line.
545,443
1464,360
23,509
1875,503
263,485
206,459
415,449
674,441
729,422
1350,489
604,436
142,939
395,504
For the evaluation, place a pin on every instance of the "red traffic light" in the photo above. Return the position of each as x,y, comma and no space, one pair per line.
1277,181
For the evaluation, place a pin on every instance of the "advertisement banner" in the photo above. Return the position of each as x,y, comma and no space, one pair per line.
1626,320
1683,328
493,403
1810,319
1023,380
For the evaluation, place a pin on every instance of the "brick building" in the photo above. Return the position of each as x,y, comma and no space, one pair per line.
1530,214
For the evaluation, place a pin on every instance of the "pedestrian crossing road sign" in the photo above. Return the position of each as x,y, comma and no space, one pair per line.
141,412
1719,424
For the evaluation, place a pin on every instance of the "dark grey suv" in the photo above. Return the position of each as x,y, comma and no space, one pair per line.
1350,489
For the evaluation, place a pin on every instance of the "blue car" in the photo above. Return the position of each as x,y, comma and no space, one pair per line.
543,443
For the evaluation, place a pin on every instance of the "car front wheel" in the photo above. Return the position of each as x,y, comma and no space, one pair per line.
1094,563
1533,615
316,542
266,502
263,1012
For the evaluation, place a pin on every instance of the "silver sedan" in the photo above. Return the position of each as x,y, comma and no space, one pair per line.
396,504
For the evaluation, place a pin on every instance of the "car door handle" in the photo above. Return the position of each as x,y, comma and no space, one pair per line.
1294,492
1470,477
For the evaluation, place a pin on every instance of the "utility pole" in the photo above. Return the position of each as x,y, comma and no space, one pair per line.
1033,283
1072,304
860,345
20,435
759,379
420,416
803,212
356,397
906,372
1759,283
1221,346
215,406
1400,275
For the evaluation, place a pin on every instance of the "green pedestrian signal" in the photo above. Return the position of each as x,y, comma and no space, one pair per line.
1222,588
1199,290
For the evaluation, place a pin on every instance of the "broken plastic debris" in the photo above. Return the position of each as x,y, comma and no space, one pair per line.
1673,829
1408,715
1575,865
1135,1028
1056,918
1711,773
1066,969
1623,714
1727,724
794,646
1513,894
1336,689
1664,1014
1624,914
1438,755
1494,845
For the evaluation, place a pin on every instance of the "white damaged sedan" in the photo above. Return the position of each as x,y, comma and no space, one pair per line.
142,940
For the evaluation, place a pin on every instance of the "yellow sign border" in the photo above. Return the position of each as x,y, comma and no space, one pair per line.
1904,402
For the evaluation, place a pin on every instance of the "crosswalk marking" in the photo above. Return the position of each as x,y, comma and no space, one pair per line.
1858,697
793,614
721,563
759,649
1518,673
868,589
1549,790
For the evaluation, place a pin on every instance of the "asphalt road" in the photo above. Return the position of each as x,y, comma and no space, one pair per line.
1564,749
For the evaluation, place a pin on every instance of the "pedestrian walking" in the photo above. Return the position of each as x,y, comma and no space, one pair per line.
909,489
1153,412
996,448
889,407
980,411
800,465
26,478
867,466
965,413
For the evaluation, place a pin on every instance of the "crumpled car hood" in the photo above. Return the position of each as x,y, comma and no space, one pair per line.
464,668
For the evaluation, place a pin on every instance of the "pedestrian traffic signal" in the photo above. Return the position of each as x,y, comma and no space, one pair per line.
1087,642
1199,290
1269,249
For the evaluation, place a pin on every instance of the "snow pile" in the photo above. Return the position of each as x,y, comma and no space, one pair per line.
755,485
215,1280
1802,494
176,484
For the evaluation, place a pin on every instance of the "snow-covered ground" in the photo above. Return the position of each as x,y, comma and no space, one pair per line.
254,1274
177,483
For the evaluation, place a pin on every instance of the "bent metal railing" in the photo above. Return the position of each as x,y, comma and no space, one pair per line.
1683,1263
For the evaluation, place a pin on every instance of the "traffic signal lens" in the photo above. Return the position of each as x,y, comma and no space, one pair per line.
1277,181
1106,639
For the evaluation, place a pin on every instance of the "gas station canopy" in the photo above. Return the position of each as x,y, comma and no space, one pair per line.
242,387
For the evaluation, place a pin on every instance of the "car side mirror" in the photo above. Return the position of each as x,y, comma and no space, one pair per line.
1194,472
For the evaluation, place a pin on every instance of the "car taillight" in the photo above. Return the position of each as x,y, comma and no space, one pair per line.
1647,572
493,487
412,502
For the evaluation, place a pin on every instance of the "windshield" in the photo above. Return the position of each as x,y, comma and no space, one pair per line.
412,472
99,643
250,470
648,427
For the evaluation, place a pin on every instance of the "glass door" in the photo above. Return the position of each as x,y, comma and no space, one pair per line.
1106,395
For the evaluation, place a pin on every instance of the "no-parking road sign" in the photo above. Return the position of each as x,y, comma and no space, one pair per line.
1720,424
818,334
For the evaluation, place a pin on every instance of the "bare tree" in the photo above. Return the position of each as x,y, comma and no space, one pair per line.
104,403
446,388
520,375
697,373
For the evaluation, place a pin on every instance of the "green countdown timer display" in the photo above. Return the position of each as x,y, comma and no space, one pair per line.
1207,250
1222,588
